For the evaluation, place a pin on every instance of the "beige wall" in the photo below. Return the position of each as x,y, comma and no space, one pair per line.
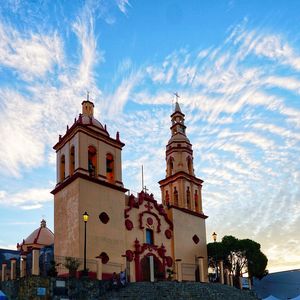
66,221
185,226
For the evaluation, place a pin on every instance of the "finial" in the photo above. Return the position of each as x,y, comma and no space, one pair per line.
118,136
88,96
177,96
43,223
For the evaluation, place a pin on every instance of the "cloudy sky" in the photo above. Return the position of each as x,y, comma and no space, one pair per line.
236,66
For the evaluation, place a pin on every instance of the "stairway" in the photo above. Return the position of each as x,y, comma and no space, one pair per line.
178,291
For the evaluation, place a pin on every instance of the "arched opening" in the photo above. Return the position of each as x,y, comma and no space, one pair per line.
145,268
72,160
167,198
110,167
196,201
170,167
62,171
92,161
190,165
175,196
188,198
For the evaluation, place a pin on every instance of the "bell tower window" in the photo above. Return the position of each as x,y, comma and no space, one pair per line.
196,201
170,168
190,166
110,167
175,196
72,160
92,161
62,174
188,198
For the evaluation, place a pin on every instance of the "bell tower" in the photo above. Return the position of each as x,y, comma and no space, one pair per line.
182,197
89,179
181,188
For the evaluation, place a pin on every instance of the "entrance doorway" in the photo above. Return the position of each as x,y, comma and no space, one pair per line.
145,268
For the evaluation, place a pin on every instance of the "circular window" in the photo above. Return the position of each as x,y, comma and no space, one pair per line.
104,218
104,257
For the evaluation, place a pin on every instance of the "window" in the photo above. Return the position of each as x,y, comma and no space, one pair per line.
92,161
175,196
72,160
149,237
170,167
110,167
167,198
188,198
62,174
189,164
196,201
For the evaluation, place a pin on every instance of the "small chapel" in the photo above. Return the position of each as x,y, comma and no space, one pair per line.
128,232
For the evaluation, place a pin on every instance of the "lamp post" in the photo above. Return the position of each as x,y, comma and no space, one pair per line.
85,219
214,235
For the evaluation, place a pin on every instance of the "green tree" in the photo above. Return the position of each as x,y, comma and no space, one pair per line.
239,257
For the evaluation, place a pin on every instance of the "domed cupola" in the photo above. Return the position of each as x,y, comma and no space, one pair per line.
39,238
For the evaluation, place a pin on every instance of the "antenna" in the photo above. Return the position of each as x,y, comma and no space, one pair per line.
142,177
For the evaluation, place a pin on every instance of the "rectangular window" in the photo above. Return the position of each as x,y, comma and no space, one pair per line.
149,237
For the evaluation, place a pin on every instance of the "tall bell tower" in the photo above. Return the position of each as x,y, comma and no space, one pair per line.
181,194
89,179
181,188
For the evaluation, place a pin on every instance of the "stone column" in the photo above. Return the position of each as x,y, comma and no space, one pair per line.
3,273
231,279
23,266
99,268
249,282
178,270
151,268
13,268
201,268
227,277
221,272
36,261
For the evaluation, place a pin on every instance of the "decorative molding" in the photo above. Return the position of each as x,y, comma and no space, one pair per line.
190,212
62,185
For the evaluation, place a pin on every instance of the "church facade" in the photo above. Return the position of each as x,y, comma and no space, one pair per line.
129,232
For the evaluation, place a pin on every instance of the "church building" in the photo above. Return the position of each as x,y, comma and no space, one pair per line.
126,232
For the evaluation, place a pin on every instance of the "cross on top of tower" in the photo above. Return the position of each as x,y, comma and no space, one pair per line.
177,96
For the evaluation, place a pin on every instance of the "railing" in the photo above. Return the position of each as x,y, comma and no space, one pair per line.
91,264
188,271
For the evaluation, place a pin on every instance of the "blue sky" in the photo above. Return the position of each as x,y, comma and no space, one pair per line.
236,65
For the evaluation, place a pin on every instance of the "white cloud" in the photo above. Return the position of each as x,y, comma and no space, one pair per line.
32,55
32,198
123,5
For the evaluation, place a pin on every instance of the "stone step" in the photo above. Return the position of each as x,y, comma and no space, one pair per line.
174,290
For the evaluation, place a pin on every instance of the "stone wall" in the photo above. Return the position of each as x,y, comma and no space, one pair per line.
36,287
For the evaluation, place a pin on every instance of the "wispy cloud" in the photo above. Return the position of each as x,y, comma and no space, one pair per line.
32,198
123,6
32,54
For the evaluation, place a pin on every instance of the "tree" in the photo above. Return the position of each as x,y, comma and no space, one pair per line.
239,257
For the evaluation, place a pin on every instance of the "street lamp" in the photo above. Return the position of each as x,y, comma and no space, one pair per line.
214,235
85,219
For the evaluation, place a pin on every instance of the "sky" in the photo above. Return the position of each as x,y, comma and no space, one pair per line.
236,67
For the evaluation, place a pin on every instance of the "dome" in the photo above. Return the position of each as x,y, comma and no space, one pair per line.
40,237
86,120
